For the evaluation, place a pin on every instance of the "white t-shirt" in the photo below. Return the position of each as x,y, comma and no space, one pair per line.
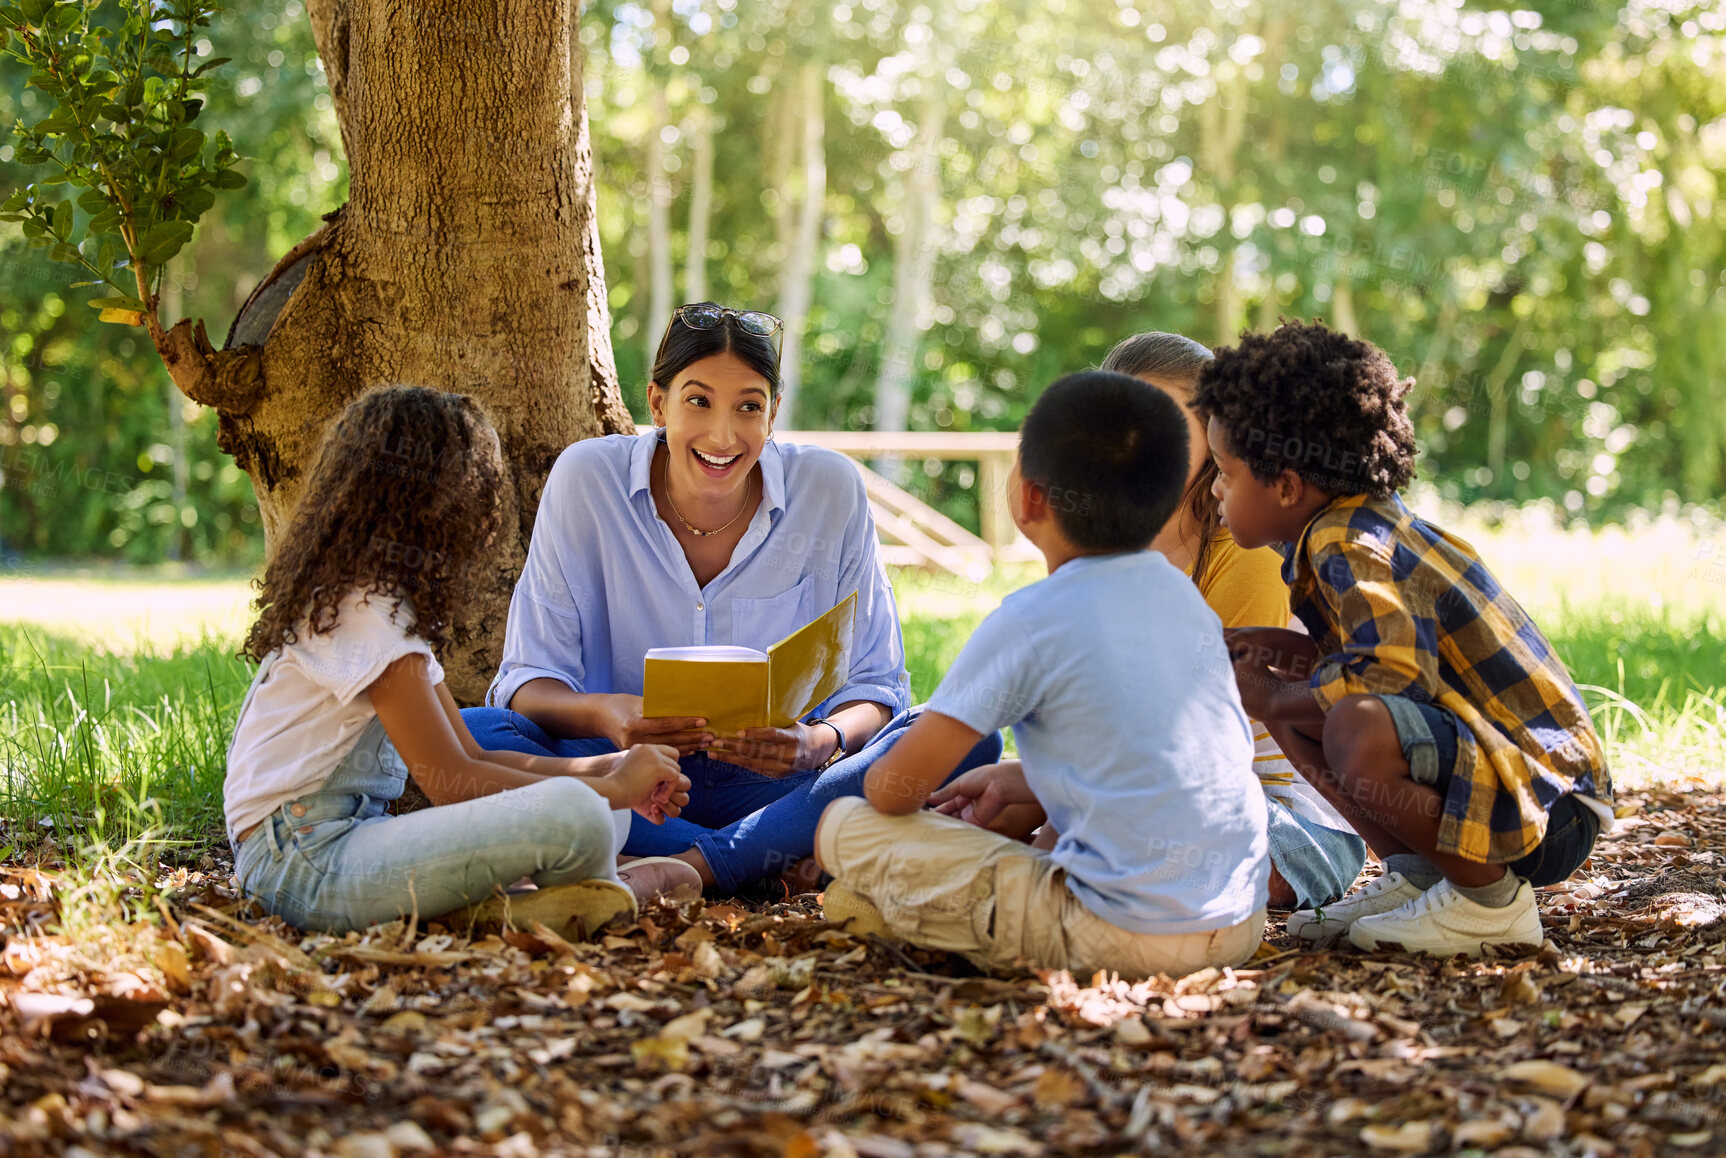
308,705
1132,735
1281,781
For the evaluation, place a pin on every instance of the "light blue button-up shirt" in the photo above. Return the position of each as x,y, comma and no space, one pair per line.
606,580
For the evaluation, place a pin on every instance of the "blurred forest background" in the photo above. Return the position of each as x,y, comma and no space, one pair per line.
953,202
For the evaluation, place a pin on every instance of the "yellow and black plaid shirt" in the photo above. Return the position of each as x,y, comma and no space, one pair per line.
1399,607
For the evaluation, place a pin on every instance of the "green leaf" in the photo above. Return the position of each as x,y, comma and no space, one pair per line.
115,303
209,64
64,252
63,220
228,179
186,143
35,10
92,201
194,203
163,241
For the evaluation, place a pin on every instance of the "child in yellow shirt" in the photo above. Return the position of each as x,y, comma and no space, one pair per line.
1315,853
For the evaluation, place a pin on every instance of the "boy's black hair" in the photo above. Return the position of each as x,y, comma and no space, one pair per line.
1111,451
1308,399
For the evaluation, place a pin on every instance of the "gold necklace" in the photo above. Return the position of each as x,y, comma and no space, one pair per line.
693,529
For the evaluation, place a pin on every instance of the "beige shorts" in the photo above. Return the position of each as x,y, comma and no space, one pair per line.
945,884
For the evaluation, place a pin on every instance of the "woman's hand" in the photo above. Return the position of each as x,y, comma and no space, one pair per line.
647,779
777,751
995,797
619,720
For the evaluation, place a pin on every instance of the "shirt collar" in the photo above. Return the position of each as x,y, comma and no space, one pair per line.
641,459
1295,560
641,467
772,476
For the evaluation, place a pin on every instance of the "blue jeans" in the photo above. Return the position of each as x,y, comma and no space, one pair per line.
1428,736
1318,862
747,825
333,861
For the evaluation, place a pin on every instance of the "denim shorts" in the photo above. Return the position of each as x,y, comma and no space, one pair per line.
1428,735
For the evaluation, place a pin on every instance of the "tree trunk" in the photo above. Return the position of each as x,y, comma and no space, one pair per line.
658,230
700,207
466,259
1498,402
1342,315
178,540
797,286
913,276
1222,125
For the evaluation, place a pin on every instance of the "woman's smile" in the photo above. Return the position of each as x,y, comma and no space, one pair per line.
716,465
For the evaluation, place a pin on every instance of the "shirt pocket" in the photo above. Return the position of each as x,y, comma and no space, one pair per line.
761,623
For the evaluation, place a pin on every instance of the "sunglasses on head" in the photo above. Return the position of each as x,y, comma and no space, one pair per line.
707,317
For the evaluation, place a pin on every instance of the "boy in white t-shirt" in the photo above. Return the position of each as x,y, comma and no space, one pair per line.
1131,735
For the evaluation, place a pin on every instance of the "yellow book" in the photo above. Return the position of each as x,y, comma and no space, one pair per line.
733,688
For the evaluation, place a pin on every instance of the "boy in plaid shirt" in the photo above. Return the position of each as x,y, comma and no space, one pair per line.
1423,702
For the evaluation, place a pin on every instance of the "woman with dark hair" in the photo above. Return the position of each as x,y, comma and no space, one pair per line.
704,531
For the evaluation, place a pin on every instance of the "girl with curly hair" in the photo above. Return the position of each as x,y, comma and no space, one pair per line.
349,700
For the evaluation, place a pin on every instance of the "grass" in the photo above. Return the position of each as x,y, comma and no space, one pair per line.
118,691
100,748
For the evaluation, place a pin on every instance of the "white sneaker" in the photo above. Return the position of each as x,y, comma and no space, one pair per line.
1390,891
1443,922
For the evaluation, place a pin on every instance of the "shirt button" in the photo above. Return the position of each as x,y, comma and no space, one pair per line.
699,606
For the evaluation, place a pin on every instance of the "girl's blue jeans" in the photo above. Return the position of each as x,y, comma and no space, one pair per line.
747,825
334,861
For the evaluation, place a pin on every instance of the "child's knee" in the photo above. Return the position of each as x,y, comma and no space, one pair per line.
1360,738
829,817
576,812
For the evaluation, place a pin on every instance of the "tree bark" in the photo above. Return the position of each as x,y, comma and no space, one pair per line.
466,259
797,286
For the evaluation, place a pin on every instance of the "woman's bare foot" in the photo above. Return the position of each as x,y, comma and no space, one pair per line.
802,877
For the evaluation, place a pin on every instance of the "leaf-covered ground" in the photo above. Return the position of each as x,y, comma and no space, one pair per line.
725,1029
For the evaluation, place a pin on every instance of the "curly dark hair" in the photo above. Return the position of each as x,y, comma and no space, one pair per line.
1308,399
401,503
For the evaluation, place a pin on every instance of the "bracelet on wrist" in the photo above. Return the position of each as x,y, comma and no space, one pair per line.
838,746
